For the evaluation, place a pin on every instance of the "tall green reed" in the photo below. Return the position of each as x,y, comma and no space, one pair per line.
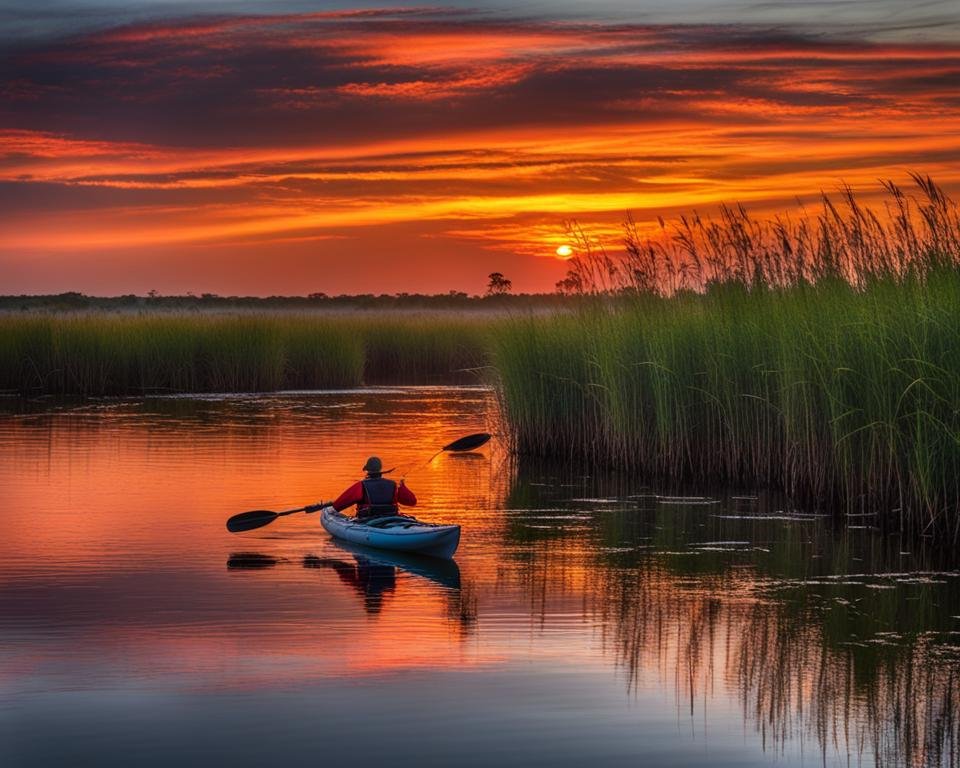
425,348
821,357
104,354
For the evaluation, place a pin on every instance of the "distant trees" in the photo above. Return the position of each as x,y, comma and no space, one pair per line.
450,300
498,285
571,285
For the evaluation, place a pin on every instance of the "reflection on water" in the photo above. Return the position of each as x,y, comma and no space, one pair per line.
373,574
586,617
251,560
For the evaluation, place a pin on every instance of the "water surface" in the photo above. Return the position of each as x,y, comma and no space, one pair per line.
587,618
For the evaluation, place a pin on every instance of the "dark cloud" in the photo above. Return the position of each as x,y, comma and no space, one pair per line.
287,80
149,138
26,196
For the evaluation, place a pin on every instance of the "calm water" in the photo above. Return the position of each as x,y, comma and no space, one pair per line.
586,620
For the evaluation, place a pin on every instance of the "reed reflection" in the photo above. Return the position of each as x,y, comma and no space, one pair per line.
843,636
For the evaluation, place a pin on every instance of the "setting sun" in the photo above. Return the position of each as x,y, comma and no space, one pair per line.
564,251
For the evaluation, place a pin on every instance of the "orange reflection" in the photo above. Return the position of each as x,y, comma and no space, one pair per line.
117,561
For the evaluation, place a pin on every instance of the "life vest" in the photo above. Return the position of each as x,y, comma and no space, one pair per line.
379,498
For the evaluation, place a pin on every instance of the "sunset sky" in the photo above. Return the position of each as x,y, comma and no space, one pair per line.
293,147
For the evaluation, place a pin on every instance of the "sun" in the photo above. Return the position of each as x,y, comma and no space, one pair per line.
564,251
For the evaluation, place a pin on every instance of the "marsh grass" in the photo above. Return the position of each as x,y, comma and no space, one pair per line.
109,354
822,358
425,348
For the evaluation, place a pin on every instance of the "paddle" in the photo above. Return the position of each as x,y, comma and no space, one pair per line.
247,521
468,443
257,518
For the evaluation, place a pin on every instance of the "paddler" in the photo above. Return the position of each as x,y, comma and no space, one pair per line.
375,495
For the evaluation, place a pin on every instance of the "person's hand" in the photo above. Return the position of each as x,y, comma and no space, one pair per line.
403,481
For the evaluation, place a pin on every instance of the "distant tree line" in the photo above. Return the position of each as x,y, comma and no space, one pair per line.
74,301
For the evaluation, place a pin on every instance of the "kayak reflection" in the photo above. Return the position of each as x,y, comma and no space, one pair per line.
373,573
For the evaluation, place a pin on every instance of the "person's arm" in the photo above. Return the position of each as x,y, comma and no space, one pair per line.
405,495
353,495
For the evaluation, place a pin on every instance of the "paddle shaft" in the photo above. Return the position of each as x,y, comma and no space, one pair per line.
292,511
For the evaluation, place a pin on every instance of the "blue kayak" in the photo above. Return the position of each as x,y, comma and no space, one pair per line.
399,533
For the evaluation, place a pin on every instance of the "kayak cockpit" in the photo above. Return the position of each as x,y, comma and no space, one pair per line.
389,522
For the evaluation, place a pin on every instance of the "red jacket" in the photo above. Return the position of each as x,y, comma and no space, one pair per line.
354,495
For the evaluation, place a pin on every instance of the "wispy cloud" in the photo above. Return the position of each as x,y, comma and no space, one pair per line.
355,124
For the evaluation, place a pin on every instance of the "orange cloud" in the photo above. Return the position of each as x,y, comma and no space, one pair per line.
409,127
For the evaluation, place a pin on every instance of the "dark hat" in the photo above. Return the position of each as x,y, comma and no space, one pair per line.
373,466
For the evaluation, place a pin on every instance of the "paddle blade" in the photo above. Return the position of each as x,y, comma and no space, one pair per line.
247,521
468,443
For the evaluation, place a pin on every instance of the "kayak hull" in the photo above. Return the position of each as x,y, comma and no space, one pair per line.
407,535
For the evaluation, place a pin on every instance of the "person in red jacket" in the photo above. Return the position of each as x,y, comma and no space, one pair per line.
375,495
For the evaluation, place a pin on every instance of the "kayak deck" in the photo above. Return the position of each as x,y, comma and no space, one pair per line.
394,532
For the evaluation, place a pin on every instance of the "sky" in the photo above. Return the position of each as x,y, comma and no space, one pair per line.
291,147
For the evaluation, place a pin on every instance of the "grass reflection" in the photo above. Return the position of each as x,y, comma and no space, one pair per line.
839,635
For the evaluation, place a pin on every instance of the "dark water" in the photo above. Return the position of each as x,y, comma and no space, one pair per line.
587,619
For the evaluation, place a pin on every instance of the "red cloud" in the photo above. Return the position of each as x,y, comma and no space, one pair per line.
362,126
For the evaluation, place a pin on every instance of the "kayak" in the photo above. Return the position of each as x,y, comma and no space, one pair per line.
395,532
